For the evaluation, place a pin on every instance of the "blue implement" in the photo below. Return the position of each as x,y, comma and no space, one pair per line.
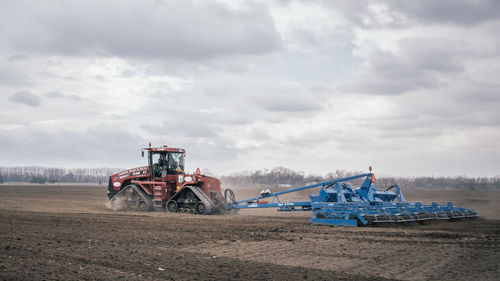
337,203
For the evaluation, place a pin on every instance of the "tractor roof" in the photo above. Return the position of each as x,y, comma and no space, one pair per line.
166,149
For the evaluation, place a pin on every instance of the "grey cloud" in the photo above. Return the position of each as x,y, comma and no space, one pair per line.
109,146
321,89
58,95
360,14
128,73
12,77
436,113
26,98
104,145
234,102
154,29
309,138
278,97
433,55
205,147
288,104
17,57
243,106
431,125
192,108
423,126
212,155
464,12
480,94
305,37
405,13
191,129
54,94
420,64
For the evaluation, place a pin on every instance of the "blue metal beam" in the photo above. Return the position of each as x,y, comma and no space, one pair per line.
306,204
322,184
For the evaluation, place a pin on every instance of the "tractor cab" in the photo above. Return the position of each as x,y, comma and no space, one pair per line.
164,161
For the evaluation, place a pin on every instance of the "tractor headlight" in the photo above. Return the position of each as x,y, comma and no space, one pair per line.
188,178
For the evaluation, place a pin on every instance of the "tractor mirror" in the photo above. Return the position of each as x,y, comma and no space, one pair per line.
142,152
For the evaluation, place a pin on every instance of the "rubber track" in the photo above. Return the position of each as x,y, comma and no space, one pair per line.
119,194
139,192
144,197
209,204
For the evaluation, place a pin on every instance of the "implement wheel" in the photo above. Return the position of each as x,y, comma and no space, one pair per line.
230,199
172,207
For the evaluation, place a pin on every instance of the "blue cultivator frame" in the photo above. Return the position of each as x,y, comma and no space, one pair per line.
337,203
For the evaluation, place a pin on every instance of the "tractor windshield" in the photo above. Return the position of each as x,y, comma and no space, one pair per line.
175,162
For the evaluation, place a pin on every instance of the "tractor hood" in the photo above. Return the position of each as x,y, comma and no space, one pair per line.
134,172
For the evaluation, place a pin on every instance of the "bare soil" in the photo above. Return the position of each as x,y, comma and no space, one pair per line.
65,232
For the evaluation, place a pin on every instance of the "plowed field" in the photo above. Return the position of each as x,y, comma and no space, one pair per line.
67,233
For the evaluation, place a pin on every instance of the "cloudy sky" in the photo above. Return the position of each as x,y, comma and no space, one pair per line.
409,87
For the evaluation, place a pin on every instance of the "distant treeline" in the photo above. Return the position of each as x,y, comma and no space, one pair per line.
35,174
278,176
288,177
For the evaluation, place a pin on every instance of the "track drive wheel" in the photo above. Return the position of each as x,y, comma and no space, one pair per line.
144,202
172,207
142,205
200,208
190,195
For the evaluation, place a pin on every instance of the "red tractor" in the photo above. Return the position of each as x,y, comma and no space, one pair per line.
163,183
